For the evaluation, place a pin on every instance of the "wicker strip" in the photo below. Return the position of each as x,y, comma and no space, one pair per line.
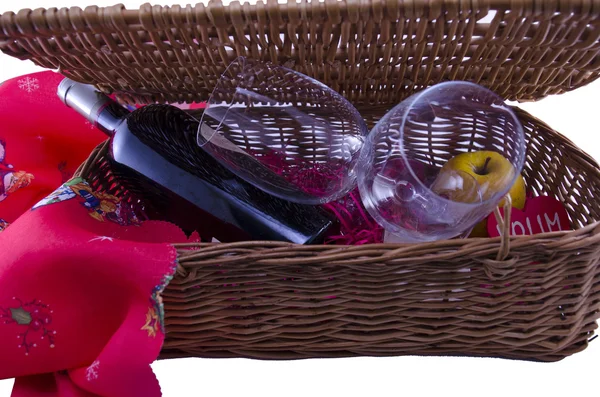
373,52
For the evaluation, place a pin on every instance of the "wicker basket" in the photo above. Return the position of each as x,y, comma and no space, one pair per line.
529,297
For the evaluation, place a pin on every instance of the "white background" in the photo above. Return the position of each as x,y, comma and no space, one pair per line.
575,115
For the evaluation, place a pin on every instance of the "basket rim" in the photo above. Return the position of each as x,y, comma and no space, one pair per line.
527,7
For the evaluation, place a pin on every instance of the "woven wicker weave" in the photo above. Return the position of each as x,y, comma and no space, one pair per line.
534,298
280,301
374,52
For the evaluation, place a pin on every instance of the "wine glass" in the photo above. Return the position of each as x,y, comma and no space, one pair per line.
405,178
282,131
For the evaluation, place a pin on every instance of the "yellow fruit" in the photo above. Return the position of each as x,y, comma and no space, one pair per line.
491,170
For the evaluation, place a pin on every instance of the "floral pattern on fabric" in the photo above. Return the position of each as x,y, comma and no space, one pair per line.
157,298
34,320
91,373
28,84
100,205
10,179
3,225
152,323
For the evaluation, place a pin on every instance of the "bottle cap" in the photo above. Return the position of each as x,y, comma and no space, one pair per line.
83,98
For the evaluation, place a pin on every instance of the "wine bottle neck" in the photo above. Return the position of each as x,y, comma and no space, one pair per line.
92,104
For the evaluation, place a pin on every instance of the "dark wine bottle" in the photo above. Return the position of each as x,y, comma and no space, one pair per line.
154,151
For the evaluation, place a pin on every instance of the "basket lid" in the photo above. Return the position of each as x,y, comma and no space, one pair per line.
374,53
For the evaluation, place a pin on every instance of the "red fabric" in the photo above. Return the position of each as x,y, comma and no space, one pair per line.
80,276
42,142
